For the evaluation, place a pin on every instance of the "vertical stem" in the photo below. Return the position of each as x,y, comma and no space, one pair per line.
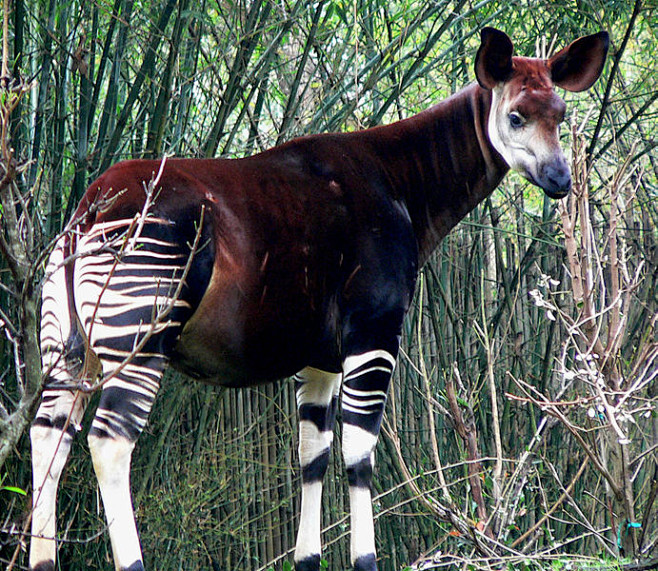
159,115
145,72
293,102
5,41
428,393
258,13
608,89
44,82
493,391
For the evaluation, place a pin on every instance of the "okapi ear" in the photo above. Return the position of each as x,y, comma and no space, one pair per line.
493,62
579,65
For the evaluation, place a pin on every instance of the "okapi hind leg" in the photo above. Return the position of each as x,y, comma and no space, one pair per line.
317,400
122,413
119,304
51,436
60,412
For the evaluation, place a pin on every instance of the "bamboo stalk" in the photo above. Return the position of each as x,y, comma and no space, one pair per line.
145,71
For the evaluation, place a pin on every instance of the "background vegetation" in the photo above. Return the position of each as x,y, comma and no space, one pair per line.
522,429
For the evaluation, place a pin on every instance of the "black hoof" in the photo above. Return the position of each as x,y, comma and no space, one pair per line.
311,563
366,563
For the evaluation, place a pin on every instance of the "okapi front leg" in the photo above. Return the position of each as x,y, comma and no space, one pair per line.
317,397
365,383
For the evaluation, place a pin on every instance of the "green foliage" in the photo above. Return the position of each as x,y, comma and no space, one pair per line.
13,489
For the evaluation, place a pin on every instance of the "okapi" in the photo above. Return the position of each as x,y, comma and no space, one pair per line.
299,261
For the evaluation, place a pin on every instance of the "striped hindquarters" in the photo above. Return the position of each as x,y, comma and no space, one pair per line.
131,300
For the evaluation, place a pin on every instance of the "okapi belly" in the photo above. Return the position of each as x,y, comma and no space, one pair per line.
254,327
232,354
222,365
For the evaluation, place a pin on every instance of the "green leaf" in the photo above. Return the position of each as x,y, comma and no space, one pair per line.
13,489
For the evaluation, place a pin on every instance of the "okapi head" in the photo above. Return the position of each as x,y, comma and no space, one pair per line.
525,116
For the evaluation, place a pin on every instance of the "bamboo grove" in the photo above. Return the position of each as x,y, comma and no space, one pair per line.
522,428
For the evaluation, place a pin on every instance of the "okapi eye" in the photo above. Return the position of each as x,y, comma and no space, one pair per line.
516,120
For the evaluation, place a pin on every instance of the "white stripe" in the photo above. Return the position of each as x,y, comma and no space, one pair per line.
359,409
358,393
144,253
116,310
361,523
355,410
361,404
135,266
101,332
357,444
142,389
120,355
317,386
100,227
355,361
312,442
87,278
354,375
112,465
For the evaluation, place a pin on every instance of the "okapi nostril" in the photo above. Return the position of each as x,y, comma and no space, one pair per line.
560,182
556,178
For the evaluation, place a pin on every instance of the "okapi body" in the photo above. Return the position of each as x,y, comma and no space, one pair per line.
301,260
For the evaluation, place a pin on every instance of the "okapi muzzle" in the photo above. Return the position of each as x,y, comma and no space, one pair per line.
300,262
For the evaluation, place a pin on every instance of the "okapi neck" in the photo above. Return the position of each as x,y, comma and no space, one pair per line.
442,164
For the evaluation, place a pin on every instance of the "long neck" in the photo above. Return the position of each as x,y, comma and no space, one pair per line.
441,163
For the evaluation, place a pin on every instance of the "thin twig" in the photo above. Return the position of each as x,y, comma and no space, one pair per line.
557,504
428,394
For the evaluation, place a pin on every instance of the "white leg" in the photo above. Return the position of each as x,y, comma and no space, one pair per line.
358,452
51,435
59,415
317,397
111,457
365,382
